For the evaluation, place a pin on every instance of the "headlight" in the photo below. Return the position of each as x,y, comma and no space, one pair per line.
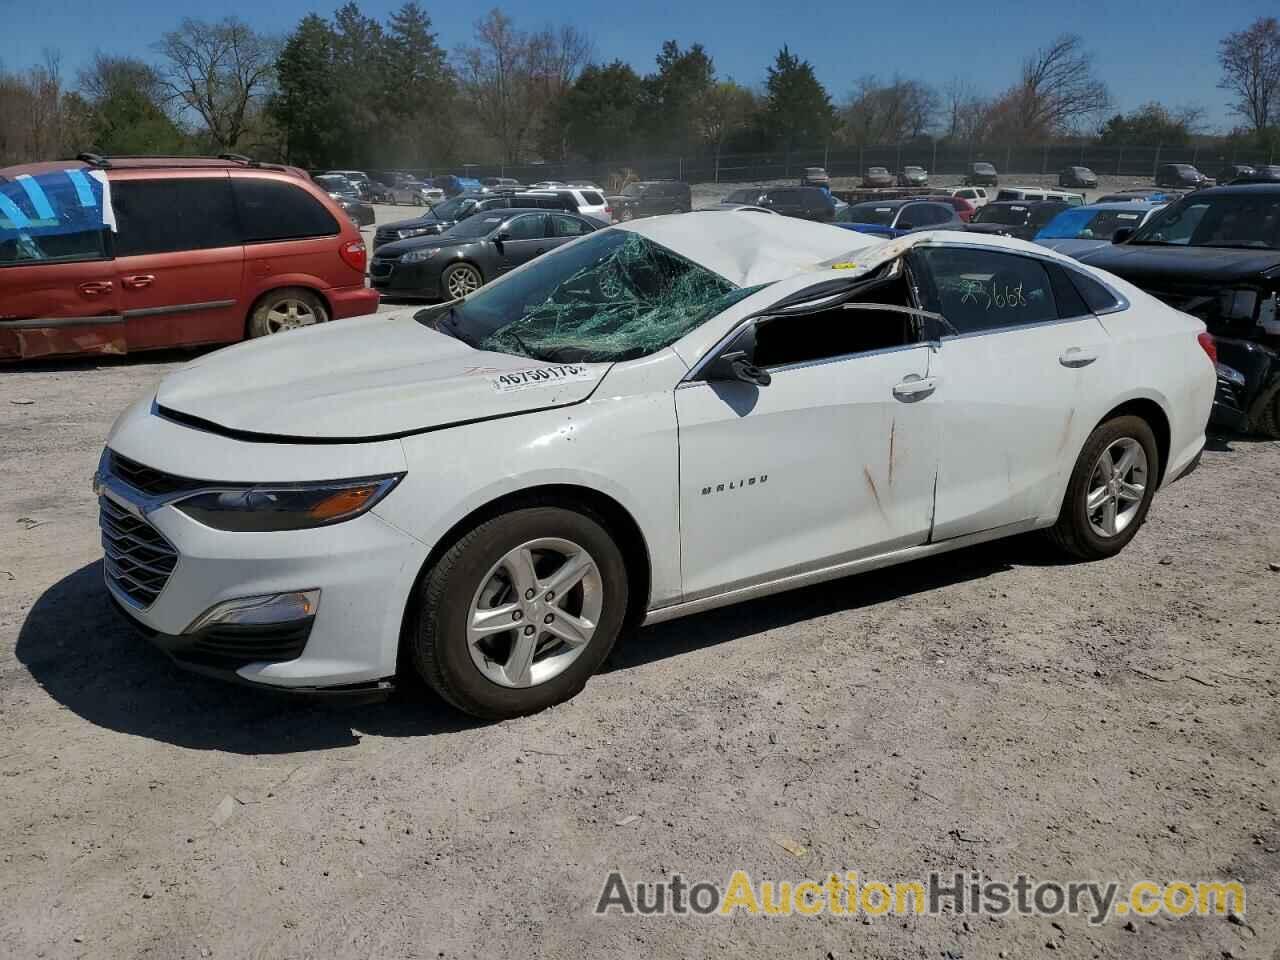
286,506
417,256
414,232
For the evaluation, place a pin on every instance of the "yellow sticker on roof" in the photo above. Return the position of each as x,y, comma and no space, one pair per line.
844,265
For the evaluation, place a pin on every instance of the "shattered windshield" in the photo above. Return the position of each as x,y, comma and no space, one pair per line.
613,296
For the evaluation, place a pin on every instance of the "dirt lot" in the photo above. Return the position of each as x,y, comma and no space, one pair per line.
993,710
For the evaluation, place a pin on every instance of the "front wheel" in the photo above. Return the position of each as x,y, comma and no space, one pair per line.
1110,490
520,612
460,280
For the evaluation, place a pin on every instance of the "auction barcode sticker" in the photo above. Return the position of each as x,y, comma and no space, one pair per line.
541,377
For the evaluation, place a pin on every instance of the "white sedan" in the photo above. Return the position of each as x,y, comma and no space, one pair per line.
652,421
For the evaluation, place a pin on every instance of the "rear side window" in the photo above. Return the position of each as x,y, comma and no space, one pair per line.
163,216
1098,297
1070,303
274,210
51,218
980,290
592,198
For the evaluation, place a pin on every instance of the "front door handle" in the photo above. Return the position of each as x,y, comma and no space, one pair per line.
1077,357
913,388
95,288
138,281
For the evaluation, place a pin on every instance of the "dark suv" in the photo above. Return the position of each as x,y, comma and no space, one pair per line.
807,203
982,174
1181,175
444,215
647,198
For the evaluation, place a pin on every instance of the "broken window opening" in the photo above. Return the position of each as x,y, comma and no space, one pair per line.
843,329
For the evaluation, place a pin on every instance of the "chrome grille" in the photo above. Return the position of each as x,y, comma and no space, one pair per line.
137,558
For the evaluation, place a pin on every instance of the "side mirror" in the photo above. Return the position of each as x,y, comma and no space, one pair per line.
502,236
1121,235
737,362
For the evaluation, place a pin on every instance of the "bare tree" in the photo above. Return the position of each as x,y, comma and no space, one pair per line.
556,59
33,113
1056,92
1250,62
965,111
220,71
889,113
107,76
496,75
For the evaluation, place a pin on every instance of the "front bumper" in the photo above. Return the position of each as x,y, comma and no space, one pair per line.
364,568
407,279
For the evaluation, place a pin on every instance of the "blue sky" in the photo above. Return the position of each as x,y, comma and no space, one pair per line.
1145,49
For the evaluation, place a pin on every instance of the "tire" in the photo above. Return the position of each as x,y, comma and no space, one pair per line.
418,201
483,676
461,279
627,214
1266,418
286,309
1086,537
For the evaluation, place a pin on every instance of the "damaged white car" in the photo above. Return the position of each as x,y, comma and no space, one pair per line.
655,420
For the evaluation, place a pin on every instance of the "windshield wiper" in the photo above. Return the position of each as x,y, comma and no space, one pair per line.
448,324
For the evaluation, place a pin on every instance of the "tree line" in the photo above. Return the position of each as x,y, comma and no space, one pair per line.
353,91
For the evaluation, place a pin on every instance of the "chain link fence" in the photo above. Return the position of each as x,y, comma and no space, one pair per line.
937,157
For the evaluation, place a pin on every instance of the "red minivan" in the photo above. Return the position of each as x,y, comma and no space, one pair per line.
115,255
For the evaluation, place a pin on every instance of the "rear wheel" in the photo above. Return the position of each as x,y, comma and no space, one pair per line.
520,612
1110,490
286,309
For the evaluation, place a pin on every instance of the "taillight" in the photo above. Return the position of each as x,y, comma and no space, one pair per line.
1206,341
354,255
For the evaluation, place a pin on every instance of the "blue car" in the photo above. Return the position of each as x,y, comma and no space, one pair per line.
895,218
454,185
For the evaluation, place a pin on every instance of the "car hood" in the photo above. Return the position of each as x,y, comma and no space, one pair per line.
1073,247
427,219
1180,266
369,378
992,228
397,248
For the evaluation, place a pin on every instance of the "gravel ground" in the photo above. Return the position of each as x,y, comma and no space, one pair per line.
993,709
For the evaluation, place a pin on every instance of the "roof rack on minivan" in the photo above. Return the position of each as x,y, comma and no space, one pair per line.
106,163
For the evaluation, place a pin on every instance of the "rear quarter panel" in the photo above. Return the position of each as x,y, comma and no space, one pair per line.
1157,357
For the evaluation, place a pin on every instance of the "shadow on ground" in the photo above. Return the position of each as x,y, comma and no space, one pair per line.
80,651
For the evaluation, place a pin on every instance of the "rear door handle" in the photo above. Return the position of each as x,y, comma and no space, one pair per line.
138,281
914,390
95,288
1077,357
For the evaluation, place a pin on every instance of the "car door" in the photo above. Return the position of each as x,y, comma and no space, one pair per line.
833,461
1021,377
179,260
522,238
58,282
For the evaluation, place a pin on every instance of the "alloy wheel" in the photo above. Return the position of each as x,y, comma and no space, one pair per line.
534,613
1117,487
290,314
462,281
